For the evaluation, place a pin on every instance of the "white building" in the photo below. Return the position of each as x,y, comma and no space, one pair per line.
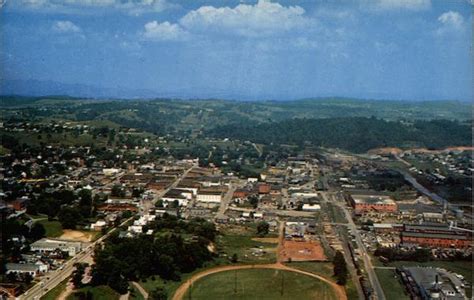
50,245
209,197
311,207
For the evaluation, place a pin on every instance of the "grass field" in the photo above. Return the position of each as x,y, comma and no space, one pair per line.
238,240
391,285
325,269
260,284
53,228
54,293
98,292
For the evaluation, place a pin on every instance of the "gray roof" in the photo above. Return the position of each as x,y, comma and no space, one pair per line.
22,267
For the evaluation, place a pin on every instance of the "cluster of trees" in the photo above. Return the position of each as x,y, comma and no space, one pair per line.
166,255
78,274
357,134
70,208
340,268
393,254
262,228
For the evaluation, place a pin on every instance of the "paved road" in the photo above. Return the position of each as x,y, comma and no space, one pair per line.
374,281
346,252
423,190
174,184
226,200
57,276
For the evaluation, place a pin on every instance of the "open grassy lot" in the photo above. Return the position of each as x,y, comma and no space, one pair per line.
98,292
325,269
54,293
391,285
243,241
53,228
260,284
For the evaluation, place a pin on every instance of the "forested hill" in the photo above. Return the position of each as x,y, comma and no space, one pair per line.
356,134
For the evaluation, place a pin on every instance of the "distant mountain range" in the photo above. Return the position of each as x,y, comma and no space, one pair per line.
42,88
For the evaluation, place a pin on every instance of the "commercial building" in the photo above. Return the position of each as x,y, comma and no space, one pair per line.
431,283
50,245
377,203
440,240
209,196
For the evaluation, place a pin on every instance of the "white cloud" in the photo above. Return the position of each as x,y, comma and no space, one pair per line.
451,23
133,7
66,27
165,31
399,4
452,18
263,18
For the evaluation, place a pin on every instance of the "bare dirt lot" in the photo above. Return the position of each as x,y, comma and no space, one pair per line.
80,236
302,251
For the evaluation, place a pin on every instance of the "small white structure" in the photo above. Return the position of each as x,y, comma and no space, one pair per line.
98,225
311,207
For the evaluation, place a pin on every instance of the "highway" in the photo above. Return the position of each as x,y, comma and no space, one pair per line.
422,189
57,276
369,268
85,256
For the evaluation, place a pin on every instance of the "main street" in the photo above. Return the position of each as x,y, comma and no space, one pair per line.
369,268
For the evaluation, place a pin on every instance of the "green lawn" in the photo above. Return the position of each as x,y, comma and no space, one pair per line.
54,293
98,292
239,241
154,282
391,284
53,228
244,247
260,284
325,269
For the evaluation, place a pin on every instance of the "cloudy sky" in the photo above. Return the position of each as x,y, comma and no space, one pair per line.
384,49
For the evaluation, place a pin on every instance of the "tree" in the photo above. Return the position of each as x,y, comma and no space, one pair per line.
253,200
118,191
69,217
158,294
340,268
262,228
234,258
78,274
37,231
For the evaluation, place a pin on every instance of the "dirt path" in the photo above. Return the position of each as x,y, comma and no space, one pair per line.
180,292
140,289
339,290
66,292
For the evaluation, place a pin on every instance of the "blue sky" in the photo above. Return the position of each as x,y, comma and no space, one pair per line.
383,49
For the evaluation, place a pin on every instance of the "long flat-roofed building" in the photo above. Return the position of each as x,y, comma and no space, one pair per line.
379,203
49,245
